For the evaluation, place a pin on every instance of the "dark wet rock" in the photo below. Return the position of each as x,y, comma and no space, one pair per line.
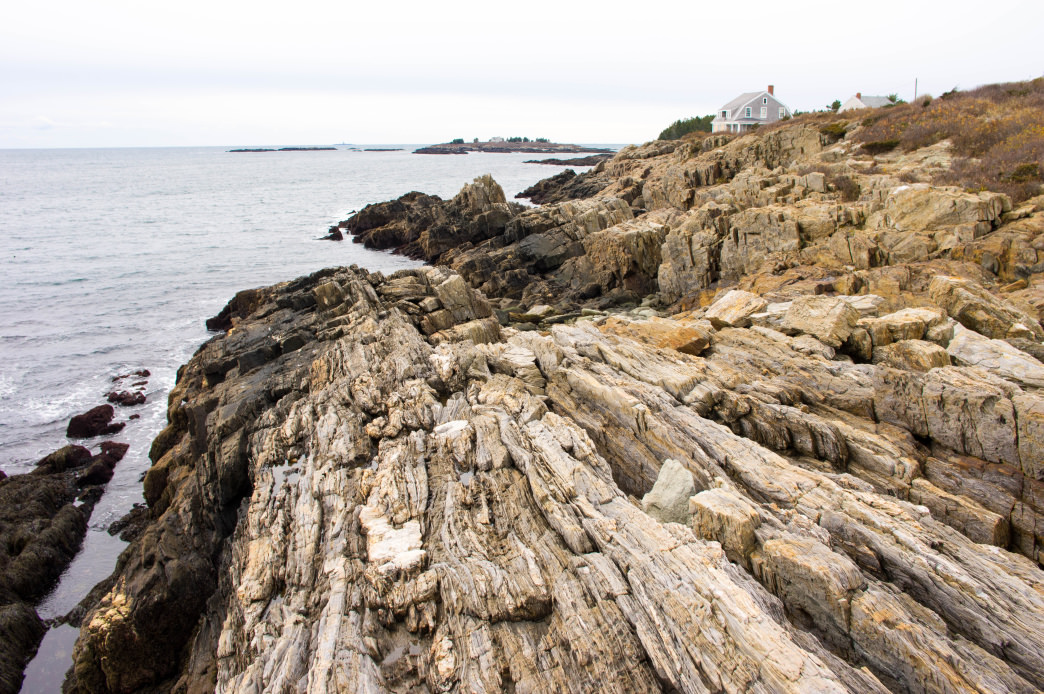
63,459
132,524
334,235
566,186
43,519
140,373
21,631
112,452
426,226
98,473
95,422
592,160
544,190
126,398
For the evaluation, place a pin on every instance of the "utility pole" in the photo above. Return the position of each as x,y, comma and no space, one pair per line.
915,89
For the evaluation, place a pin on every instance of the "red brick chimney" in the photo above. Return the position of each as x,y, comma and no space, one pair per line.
859,95
771,89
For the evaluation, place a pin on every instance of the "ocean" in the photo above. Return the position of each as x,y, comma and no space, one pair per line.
114,258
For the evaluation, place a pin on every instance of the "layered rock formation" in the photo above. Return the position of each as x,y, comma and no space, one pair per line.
810,460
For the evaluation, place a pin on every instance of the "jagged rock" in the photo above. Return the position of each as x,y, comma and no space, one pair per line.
734,309
829,319
668,500
753,236
394,511
978,310
382,484
921,207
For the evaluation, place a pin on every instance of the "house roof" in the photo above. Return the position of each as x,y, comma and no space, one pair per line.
740,101
876,101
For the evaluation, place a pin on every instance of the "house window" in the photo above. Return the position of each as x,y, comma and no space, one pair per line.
782,112
764,112
746,113
725,115
764,100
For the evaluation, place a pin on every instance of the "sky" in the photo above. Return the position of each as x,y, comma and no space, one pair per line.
126,73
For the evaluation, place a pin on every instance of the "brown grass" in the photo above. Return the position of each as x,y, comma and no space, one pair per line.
997,133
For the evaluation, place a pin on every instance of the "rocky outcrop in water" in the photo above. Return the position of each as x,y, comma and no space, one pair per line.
96,421
43,519
717,428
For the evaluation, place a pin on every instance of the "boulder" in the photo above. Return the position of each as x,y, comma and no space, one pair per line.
905,324
94,422
727,518
828,319
866,304
126,398
686,336
734,309
668,501
911,355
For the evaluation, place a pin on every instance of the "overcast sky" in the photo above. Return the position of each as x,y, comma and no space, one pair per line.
224,72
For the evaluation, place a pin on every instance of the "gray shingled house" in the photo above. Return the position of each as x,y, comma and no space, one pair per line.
747,110
860,101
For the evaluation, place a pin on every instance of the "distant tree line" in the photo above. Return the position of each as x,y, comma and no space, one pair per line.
460,140
688,125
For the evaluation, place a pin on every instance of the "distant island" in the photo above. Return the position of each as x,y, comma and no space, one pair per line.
511,144
286,149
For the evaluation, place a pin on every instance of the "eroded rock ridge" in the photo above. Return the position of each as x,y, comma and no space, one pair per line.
808,461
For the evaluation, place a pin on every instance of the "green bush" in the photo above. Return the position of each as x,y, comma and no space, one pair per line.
457,141
833,131
880,146
688,125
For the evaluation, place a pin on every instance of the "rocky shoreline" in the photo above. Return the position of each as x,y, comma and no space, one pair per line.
505,147
43,521
704,421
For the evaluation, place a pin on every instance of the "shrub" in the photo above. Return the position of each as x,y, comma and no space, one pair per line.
688,125
880,146
833,131
457,141
1024,173
848,188
997,132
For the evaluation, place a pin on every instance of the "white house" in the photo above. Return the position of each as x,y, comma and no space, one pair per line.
860,101
750,109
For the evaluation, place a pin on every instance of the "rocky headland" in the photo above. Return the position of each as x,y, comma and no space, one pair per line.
591,160
761,414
